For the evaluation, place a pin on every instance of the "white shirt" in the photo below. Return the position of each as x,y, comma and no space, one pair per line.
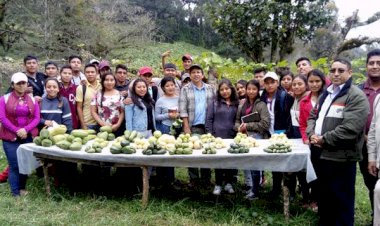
333,91
270,106
77,79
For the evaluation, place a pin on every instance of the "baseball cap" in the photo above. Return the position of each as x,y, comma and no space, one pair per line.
19,77
187,57
145,70
170,65
94,61
185,76
103,64
271,75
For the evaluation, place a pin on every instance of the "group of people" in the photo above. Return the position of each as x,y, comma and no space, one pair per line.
330,114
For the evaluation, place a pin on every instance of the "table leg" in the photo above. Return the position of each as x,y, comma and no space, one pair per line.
45,166
285,190
145,195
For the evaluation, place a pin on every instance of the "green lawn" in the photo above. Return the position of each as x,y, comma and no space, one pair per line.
177,208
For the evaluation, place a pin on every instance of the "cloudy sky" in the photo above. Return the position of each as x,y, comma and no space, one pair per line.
366,8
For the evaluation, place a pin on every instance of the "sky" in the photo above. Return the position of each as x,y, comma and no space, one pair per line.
366,9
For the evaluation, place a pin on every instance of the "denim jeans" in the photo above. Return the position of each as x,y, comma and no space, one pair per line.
94,127
163,128
252,179
16,181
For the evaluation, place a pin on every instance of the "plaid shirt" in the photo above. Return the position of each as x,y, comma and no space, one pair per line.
187,101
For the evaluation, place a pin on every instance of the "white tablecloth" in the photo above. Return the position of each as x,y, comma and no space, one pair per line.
256,159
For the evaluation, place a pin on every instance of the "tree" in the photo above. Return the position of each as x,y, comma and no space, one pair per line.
9,32
254,25
351,23
60,28
331,41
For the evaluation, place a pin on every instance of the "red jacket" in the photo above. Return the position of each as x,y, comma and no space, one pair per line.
70,93
305,108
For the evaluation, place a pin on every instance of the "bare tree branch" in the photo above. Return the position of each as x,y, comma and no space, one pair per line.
375,17
350,22
356,42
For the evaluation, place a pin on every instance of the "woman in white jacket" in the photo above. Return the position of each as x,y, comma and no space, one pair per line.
373,145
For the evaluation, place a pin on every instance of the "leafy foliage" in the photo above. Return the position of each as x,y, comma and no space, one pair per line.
57,28
254,25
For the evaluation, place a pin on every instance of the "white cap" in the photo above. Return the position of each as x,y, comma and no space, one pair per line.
272,75
19,77
94,61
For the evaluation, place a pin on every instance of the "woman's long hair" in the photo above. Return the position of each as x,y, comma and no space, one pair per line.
59,97
147,99
319,74
102,80
234,98
248,104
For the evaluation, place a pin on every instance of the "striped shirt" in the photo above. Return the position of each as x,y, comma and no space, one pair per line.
50,110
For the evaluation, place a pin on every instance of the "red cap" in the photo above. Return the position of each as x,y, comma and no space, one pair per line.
187,57
145,70
104,64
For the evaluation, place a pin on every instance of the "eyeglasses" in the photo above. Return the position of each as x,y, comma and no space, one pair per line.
147,75
340,70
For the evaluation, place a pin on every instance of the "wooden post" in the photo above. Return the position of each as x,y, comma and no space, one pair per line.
286,202
145,195
45,167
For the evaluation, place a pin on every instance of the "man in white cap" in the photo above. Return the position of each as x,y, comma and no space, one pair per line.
95,62
279,103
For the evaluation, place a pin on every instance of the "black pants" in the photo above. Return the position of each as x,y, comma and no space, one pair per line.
315,155
337,186
225,175
277,182
290,181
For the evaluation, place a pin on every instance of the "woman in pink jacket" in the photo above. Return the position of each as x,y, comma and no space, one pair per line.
19,117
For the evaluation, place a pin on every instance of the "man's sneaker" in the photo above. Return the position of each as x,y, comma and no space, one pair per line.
251,196
228,188
217,190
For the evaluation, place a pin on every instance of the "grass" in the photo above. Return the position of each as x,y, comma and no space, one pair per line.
179,208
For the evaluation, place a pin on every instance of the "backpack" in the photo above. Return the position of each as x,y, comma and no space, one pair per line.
84,87
361,86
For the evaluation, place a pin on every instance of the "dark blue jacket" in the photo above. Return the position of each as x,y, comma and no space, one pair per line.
282,106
